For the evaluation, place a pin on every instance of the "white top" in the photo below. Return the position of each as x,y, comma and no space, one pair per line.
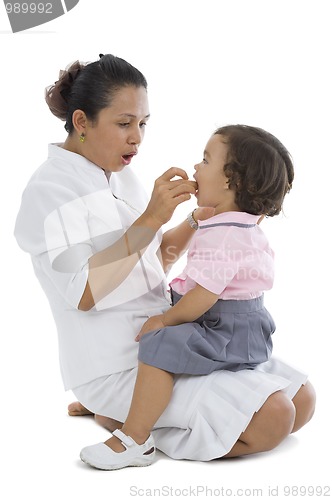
69,211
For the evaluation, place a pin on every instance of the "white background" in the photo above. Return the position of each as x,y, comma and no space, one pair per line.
208,63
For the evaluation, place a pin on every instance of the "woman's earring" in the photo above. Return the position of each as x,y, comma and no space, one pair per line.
82,137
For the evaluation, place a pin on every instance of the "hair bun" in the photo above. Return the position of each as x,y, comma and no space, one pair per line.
56,95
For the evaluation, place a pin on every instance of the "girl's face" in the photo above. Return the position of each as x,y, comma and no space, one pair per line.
213,189
113,139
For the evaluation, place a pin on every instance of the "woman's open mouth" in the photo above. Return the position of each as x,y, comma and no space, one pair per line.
126,159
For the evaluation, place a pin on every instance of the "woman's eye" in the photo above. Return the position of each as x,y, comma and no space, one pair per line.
143,124
124,124
204,161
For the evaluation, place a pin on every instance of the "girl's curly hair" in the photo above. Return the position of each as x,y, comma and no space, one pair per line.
259,168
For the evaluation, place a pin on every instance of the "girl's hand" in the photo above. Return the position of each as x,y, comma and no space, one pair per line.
167,194
153,323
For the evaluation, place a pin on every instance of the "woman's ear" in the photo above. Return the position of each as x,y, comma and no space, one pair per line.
79,121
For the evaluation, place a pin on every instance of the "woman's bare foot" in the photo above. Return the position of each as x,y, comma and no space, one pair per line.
76,409
108,423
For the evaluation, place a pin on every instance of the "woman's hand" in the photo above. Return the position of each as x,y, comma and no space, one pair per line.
167,194
153,323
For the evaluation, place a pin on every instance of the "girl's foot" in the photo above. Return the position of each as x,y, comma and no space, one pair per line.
117,445
103,457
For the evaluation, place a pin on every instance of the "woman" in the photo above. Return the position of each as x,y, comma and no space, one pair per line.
99,254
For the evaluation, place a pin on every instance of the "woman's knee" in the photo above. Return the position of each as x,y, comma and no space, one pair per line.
278,415
271,424
304,402
268,427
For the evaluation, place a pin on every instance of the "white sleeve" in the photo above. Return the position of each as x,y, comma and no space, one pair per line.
62,231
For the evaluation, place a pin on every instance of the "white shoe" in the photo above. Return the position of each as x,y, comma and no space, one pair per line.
103,457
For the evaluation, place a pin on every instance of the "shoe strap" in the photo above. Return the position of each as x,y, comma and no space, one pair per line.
125,440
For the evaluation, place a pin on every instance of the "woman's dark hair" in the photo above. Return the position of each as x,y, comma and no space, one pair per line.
259,168
90,87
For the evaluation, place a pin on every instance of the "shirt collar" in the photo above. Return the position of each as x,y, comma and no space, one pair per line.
56,150
240,217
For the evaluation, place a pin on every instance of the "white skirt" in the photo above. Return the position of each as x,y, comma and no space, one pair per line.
206,414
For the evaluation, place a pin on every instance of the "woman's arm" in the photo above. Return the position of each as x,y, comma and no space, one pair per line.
176,240
174,244
109,268
190,307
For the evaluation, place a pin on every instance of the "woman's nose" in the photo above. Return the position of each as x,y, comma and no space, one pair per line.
135,137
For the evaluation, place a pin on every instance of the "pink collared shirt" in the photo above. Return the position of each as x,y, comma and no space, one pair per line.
230,256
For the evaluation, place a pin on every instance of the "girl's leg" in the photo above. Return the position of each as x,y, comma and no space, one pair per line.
152,393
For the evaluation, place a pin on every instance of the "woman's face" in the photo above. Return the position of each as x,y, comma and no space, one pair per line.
113,139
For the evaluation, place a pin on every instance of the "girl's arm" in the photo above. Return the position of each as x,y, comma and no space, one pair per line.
190,307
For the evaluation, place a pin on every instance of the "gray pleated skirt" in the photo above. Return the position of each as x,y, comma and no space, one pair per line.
233,335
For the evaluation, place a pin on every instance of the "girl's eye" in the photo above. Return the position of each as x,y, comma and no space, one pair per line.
142,125
204,161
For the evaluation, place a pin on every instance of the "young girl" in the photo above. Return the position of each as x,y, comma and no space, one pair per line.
218,319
